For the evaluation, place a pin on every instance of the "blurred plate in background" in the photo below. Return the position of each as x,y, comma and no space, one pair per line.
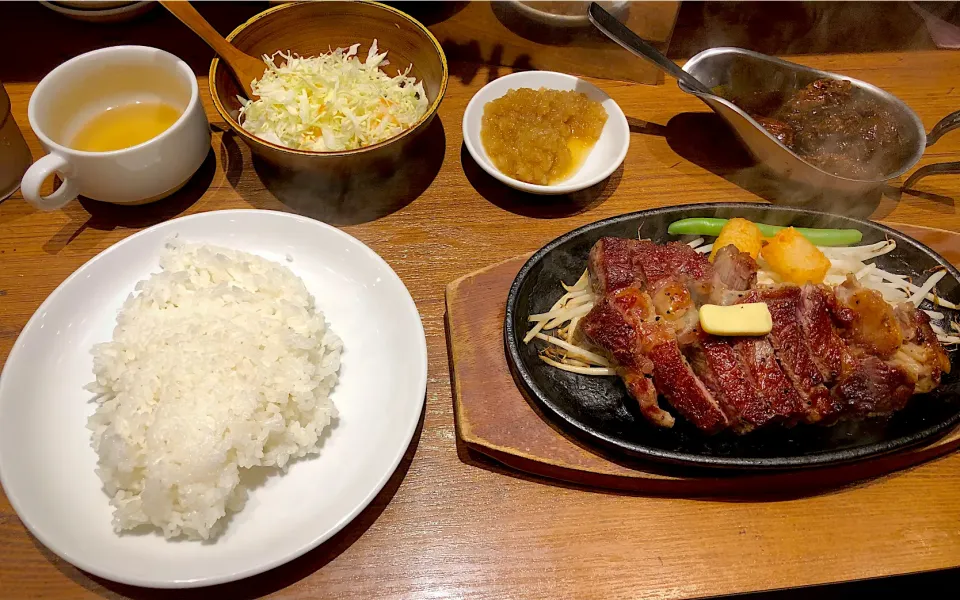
100,12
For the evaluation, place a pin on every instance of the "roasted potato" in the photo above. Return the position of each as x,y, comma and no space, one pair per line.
741,233
794,258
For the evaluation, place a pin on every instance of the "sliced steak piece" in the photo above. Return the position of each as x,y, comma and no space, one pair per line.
674,260
828,350
775,392
720,368
874,388
676,274
675,379
626,325
921,354
614,324
672,375
616,330
865,319
614,263
792,352
734,270
641,387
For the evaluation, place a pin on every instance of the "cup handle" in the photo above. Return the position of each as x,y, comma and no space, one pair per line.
38,173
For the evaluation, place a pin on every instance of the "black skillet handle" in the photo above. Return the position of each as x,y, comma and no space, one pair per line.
945,125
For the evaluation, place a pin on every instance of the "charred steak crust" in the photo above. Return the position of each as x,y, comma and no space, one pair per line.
792,352
921,353
615,263
606,326
866,320
676,381
641,388
778,400
720,367
829,351
674,260
874,388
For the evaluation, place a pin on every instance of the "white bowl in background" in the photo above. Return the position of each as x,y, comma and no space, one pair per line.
604,158
100,12
577,17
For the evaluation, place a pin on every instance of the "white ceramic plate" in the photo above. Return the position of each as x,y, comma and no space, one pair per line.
604,158
47,464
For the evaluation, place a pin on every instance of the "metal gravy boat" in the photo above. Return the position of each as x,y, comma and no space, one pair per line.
742,71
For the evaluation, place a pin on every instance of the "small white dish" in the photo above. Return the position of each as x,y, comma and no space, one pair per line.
604,158
47,464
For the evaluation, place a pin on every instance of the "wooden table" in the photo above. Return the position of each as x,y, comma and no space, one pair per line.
450,525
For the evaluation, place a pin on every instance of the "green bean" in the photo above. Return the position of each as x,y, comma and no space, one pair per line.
697,226
819,237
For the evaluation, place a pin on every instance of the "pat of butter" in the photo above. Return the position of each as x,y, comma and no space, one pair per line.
737,319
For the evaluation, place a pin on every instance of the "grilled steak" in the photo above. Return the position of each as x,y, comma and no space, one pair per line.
775,392
795,357
828,350
874,387
867,322
617,320
615,263
674,378
615,326
726,374
673,260
673,302
921,354
832,353
643,340
733,270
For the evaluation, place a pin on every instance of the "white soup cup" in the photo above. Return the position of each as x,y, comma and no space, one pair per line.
85,86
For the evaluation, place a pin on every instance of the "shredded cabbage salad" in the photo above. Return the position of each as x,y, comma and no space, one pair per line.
331,102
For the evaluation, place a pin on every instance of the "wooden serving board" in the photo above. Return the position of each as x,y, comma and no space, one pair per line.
495,418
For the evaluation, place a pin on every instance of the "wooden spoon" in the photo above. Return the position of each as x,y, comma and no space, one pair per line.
244,67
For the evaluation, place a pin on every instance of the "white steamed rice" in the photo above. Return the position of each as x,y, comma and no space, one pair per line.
220,363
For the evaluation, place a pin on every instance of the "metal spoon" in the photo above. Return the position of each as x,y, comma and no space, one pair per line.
244,67
618,32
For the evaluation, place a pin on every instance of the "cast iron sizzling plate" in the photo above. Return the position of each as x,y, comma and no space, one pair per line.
599,411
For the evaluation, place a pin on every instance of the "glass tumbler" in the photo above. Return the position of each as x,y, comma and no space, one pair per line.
14,153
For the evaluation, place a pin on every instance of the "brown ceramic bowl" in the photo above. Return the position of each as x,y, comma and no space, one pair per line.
312,28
